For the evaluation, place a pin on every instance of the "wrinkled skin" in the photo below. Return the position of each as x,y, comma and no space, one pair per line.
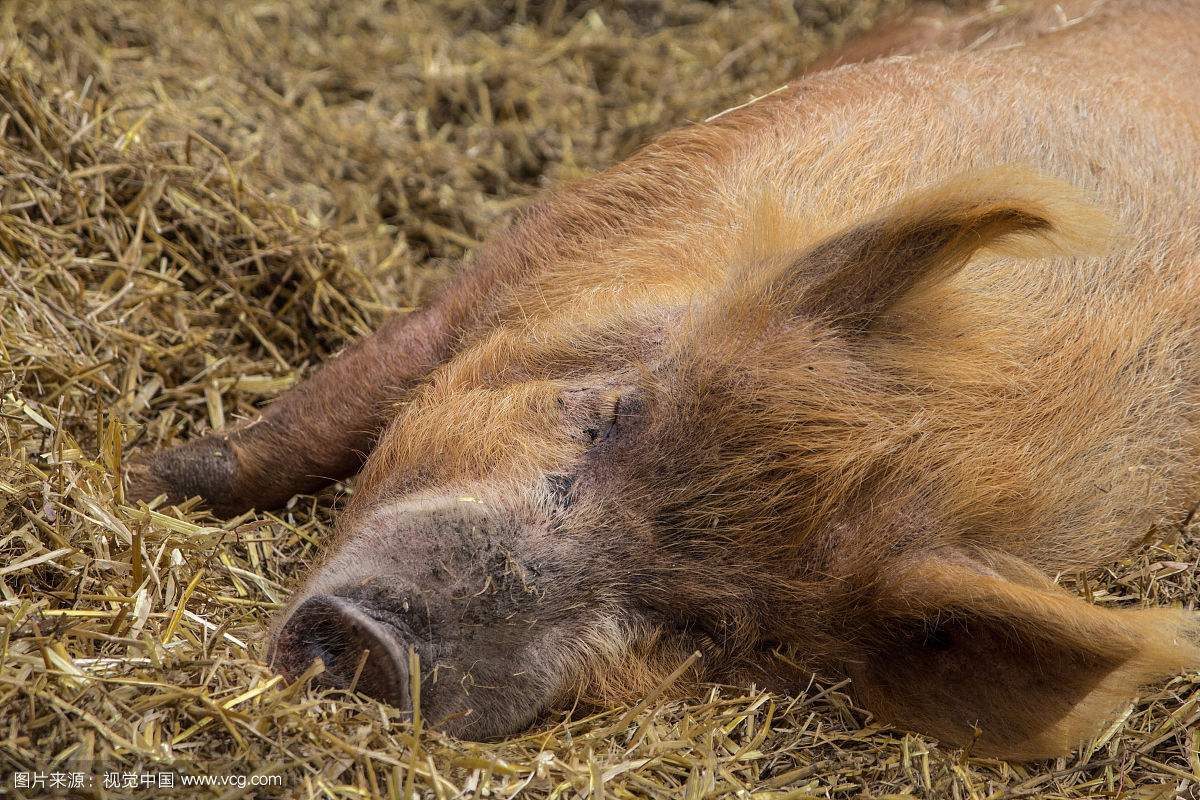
753,395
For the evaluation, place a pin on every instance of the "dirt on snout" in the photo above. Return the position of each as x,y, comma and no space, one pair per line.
201,201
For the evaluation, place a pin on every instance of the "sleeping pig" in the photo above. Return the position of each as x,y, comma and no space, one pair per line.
844,375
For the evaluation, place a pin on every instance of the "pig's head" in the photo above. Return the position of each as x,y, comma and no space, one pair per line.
573,508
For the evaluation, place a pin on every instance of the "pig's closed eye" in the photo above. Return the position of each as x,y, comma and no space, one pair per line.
605,424
559,487
595,414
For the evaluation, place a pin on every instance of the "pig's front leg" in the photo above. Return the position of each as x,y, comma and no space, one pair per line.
318,432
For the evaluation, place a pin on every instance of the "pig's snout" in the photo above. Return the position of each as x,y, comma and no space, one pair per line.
491,599
338,632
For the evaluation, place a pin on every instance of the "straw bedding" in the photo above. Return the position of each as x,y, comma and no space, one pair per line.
201,201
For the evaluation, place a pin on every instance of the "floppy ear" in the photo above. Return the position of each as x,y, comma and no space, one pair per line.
856,274
1005,661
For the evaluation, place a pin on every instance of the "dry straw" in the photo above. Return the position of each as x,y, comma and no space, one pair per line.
198,201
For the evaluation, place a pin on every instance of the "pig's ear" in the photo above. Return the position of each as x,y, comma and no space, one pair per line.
855,275
1004,661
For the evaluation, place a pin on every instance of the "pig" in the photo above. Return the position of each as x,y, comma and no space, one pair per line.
836,381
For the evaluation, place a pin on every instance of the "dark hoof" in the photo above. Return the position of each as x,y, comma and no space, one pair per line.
205,468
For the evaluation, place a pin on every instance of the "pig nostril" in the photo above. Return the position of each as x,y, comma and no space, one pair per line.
338,632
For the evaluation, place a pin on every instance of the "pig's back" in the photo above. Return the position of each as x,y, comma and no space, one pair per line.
1067,387
1110,104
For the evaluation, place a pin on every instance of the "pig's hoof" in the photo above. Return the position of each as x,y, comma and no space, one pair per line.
205,468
